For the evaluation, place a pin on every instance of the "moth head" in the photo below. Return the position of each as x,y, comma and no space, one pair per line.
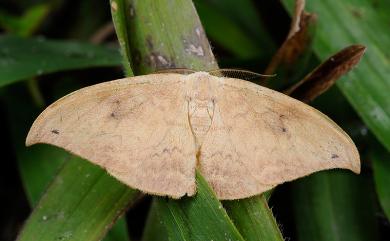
201,86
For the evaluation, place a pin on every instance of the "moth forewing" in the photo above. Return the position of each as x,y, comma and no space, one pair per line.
152,131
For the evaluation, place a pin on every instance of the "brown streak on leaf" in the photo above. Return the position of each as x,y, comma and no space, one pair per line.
326,74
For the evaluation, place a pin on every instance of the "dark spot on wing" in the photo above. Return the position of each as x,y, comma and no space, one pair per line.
55,131
334,156
284,129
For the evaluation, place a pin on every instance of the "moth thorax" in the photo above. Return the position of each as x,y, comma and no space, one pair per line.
200,113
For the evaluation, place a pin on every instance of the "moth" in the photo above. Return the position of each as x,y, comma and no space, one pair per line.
152,132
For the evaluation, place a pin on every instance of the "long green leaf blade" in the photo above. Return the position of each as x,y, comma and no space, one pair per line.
342,23
24,25
254,219
334,206
82,203
154,229
197,218
119,17
23,58
381,165
171,37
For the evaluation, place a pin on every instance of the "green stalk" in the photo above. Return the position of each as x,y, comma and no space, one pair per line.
254,219
166,34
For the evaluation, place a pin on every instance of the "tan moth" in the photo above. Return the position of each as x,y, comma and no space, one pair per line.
151,132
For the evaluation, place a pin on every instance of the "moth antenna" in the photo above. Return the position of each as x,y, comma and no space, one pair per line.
183,71
239,74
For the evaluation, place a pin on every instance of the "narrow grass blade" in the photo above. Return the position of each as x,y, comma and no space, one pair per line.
119,17
118,232
82,203
334,206
197,218
171,37
381,164
254,219
23,58
154,230
26,24
342,23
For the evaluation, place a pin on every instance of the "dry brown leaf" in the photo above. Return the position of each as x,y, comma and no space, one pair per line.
152,131
296,21
297,41
326,74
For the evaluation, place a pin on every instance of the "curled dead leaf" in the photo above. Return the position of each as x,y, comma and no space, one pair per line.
326,74
297,42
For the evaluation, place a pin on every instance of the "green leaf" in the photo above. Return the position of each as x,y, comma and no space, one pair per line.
38,166
334,205
32,18
342,23
118,232
26,24
154,229
254,219
185,46
381,164
23,58
197,218
82,203
120,20
152,48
